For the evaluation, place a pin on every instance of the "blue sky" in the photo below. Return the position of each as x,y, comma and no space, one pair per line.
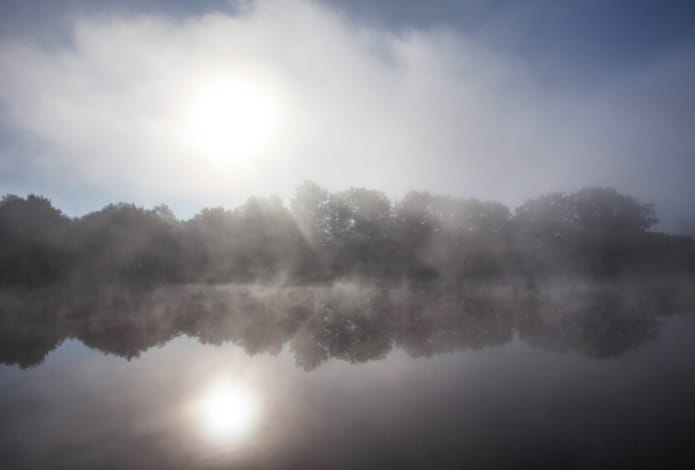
504,100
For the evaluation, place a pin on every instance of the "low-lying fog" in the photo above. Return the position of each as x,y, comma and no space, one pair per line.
349,375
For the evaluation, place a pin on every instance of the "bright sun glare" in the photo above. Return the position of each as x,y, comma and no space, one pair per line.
231,119
229,411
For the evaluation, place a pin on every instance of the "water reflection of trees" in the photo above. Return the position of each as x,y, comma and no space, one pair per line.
344,321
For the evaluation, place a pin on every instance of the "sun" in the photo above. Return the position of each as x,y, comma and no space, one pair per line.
228,411
231,119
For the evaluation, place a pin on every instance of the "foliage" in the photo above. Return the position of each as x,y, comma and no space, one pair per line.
594,232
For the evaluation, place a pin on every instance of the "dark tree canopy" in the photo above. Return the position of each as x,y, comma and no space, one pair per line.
34,241
594,229
322,236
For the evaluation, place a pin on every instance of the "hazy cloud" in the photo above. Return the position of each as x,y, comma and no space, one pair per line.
211,109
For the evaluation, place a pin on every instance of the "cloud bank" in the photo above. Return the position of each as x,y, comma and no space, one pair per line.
214,108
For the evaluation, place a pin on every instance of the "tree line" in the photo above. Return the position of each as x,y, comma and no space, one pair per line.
324,236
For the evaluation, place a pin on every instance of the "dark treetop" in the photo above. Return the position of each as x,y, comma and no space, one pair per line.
594,233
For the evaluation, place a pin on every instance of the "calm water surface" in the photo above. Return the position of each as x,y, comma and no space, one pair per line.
347,378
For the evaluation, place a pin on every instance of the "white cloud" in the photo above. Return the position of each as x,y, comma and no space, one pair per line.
339,103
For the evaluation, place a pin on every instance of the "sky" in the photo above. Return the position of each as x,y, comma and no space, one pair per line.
199,104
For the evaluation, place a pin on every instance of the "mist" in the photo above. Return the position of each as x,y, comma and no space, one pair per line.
348,321
592,234
334,100
303,234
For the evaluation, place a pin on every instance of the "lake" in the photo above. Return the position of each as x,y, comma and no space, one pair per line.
349,375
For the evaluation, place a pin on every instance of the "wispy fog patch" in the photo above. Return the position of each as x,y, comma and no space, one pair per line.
348,321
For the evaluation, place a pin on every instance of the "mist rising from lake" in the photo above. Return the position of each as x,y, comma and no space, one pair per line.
348,375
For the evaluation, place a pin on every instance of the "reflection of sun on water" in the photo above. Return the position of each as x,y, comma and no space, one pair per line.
229,411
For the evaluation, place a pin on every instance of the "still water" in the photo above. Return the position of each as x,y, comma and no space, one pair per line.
349,376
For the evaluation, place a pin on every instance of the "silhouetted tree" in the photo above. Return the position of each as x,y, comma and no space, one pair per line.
327,236
595,230
272,245
123,242
34,241
211,248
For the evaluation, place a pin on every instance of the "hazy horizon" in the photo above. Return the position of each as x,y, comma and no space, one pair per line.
308,234
199,104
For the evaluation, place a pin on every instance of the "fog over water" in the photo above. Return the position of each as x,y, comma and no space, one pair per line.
347,234
349,374
348,321
347,330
